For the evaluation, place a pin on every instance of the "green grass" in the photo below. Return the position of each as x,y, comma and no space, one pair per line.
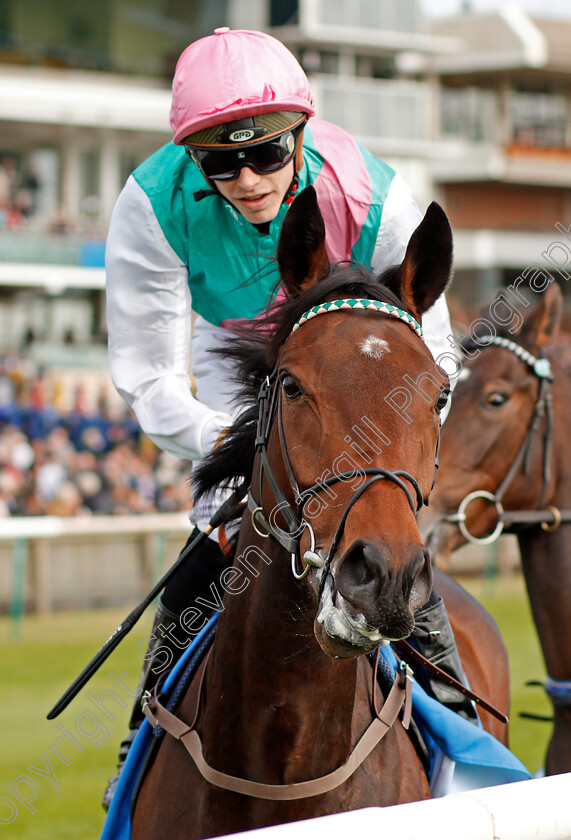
40,657
38,661
505,598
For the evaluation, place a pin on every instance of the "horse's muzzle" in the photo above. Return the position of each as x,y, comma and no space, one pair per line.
385,591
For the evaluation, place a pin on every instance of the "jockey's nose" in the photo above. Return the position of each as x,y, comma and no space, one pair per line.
247,178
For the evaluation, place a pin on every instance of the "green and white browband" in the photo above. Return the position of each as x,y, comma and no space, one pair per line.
363,303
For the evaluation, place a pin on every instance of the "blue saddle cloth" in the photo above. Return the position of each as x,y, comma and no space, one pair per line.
117,824
474,757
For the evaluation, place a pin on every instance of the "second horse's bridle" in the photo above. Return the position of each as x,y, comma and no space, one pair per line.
550,518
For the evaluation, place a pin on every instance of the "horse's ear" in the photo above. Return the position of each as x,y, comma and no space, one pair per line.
302,258
425,271
541,325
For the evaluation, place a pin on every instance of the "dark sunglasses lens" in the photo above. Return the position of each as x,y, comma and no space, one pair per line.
270,156
220,165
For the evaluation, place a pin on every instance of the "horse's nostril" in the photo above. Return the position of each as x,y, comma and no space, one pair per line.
364,578
362,568
367,575
417,569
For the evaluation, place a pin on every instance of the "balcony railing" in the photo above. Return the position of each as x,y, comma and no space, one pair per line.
536,121
390,15
470,114
374,108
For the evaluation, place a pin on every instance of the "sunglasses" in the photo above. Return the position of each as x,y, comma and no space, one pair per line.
263,158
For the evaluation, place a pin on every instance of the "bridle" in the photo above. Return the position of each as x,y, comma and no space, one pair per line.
269,405
550,518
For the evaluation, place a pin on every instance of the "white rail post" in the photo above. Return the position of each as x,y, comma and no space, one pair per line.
538,809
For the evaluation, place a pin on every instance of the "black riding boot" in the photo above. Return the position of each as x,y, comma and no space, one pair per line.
195,579
434,638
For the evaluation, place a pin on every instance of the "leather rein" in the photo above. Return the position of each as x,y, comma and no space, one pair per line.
383,720
550,518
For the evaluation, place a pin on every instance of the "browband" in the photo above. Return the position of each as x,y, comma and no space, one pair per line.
362,303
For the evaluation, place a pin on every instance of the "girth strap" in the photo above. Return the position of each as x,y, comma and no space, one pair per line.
157,714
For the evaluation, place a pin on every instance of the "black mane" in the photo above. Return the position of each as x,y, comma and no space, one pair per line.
256,350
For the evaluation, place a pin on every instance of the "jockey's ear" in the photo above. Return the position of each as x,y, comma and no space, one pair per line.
302,258
541,325
425,271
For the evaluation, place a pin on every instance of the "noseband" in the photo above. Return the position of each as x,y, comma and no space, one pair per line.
269,402
549,518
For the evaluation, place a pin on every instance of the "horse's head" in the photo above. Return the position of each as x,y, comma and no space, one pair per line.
355,429
492,440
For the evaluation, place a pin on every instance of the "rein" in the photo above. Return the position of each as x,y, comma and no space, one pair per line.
550,518
383,720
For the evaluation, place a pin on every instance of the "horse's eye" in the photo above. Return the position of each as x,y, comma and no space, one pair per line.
496,399
290,387
442,400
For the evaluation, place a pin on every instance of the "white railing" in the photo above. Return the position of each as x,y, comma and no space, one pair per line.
538,809
48,561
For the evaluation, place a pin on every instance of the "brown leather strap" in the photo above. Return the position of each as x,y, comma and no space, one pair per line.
157,714
446,678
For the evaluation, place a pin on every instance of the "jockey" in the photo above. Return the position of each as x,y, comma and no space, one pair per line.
190,251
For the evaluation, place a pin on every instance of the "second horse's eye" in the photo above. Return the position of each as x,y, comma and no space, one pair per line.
496,399
290,387
442,400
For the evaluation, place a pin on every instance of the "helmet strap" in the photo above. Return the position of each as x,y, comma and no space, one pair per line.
297,165
291,190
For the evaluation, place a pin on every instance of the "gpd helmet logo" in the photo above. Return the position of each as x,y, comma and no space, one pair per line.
241,135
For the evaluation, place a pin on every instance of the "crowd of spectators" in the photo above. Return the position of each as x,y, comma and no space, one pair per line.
68,456
79,461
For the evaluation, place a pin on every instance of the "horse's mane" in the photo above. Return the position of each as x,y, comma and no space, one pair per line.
255,350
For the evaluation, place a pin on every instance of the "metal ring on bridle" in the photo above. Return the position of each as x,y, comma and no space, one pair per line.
552,526
460,517
258,511
307,560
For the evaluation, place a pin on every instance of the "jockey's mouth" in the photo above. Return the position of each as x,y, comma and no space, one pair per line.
252,201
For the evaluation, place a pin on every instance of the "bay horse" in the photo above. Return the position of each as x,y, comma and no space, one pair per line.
504,464
286,693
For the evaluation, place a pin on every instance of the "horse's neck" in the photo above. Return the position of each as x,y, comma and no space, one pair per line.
272,684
